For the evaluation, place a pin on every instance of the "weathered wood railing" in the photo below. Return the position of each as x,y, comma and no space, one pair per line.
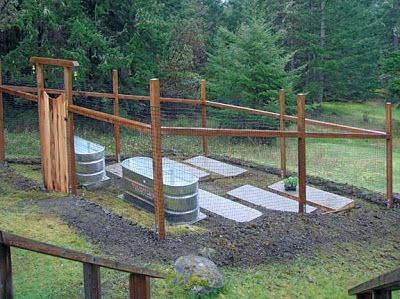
139,279
380,287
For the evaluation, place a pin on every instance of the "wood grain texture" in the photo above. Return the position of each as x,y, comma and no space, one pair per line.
19,93
24,89
45,140
112,119
55,172
6,284
40,247
301,151
386,281
139,286
203,98
54,61
73,186
157,157
117,129
195,131
61,145
282,127
389,155
91,281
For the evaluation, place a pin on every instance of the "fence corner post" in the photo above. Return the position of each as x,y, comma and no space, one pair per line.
301,143
282,112
117,129
203,97
389,156
158,193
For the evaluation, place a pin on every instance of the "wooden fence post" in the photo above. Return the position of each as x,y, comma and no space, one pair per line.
139,286
6,287
204,114
2,142
389,156
301,143
158,194
282,112
91,281
70,130
117,129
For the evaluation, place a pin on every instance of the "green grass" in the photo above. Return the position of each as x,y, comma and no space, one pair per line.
32,172
324,274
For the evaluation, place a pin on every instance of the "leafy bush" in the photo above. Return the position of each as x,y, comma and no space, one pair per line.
290,183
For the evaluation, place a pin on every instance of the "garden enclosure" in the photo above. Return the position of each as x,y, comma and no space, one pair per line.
182,128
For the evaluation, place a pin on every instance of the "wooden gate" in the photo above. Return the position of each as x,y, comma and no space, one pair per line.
56,126
53,142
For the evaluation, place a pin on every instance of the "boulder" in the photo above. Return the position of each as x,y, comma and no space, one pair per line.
208,252
199,275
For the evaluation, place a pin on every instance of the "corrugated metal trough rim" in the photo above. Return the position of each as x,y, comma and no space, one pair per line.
175,181
181,203
87,151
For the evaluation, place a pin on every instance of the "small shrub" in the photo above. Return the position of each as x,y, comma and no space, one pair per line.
290,183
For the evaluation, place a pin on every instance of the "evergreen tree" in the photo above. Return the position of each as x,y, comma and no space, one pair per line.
248,68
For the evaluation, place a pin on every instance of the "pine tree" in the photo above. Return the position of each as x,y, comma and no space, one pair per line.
247,67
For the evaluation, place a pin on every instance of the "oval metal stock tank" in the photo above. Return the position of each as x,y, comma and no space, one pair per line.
90,162
181,203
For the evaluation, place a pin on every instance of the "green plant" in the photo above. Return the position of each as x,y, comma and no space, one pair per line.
290,183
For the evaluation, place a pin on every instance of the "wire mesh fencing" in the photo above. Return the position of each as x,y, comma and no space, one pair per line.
227,157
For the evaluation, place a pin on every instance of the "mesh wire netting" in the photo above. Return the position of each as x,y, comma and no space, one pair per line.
21,128
358,162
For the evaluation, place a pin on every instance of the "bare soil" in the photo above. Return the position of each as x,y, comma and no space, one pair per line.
275,236
9,177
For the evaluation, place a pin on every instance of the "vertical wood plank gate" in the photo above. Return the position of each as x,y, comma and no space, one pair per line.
56,129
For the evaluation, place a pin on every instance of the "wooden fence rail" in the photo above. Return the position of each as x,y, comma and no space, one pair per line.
380,287
23,90
139,281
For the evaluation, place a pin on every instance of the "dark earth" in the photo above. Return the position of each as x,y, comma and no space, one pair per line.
275,236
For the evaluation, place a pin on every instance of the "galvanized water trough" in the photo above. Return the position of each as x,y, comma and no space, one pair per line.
90,162
181,203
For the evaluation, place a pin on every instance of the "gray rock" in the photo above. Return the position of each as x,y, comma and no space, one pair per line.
199,275
207,252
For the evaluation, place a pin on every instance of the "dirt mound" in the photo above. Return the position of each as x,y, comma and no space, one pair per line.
274,236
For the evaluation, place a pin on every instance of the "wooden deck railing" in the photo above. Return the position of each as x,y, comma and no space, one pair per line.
380,287
139,279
